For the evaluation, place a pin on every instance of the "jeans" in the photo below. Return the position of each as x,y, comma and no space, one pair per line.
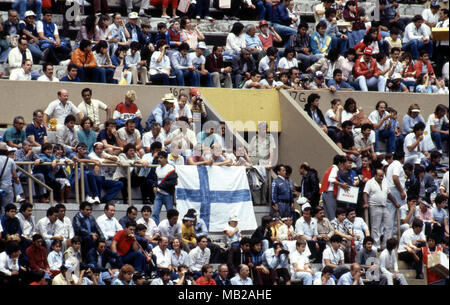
284,208
264,10
56,54
97,75
206,80
202,8
413,46
341,43
306,277
380,215
25,5
136,259
355,37
308,60
35,51
192,76
438,138
160,79
285,32
8,198
161,199
112,188
90,184
365,83
329,205
388,135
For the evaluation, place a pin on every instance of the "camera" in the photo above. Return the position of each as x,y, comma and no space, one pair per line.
284,251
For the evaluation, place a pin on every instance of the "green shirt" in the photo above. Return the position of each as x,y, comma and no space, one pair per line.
12,134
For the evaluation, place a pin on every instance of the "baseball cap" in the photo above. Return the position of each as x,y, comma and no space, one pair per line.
194,92
318,74
233,218
29,13
133,15
201,45
262,23
306,205
368,51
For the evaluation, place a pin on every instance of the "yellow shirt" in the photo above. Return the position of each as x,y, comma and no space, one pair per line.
187,234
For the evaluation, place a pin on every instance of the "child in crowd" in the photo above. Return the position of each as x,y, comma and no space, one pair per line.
232,232
62,172
55,258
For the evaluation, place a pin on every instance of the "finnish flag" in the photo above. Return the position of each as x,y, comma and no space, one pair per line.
217,193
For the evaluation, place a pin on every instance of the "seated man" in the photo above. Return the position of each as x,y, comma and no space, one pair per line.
100,256
85,226
320,41
124,244
300,266
130,135
198,61
381,120
306,228
417,37
183,68
388,264
84,59
68,137
128,110
163,255
344,228
58,49
367,73
242,278
243,66
214,64
366,257
414,146
238,255
37,255
353,277
301,42
333,257
14,136
276,258
108,223
72,74
410,247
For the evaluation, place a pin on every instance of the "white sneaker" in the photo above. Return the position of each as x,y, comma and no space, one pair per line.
89,199
97,200
19,199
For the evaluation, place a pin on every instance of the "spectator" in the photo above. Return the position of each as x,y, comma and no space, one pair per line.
18,55
100,256
242,278
221,278
276,258
314,112
179,257
214,64
163,255
10,270
33,5
28,29
353,277
136,64
367,73
334,257
198,61
353,15
51,228
134,30
131,215
60,109
72,74
88,31
436,121
119,61
267,35
6,180
306,228
416,37
269,63
108,223
366,257
86,227
37,255
109,136
58,47
338,83
126,272
89,107
86,134
338,39
48,74
23,73
124,243
128,110
160,64
199,256
14,136
324,277
235,40
104,63
413,146
281,20
9,28
300,266
381,121
442,47
151,233
410,247
119,34
242,67
182,67
55,257
288,60
320,41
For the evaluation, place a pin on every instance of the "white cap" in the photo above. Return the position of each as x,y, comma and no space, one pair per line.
306,205
201,45
302,200
29,13
233,218
133,15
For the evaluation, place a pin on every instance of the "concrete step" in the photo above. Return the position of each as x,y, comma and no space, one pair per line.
414,282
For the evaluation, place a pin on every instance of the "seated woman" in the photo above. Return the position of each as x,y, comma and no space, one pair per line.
88,31
190,34
160,64
104,63
119,61
235,40
288,61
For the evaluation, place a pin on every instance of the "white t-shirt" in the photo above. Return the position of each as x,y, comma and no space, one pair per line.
59,112
410,139
332,178
127,137
274,83
408,237
286,65
318,280
328,115
395,168
444,184
197,61
335,257
232,239
437,123
374,117
152,228
148,139
298,258
44,78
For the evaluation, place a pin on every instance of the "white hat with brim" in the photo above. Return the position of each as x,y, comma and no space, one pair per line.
133,15
168,97
29,13
3,146
302,200
233,218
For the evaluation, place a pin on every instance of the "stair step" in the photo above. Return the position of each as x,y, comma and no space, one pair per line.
415,282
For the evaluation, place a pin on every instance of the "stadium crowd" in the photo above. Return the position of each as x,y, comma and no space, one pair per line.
342,51
403,179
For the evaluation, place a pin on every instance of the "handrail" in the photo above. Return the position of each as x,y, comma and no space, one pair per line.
80,179
31,177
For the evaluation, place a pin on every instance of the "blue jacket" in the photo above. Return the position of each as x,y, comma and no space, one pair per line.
158,114
108,256
80,227
158,36
281,15
116,61
10,226
344,85
140,36
281,191
320,45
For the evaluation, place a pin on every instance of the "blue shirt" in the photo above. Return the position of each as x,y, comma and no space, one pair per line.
86,220
38,133
342,85
409,122
347,279
281,15
439,216
10,226
87,138
200,228
66,79
252,42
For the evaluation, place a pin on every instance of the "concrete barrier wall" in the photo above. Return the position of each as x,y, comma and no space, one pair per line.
302,140
368,100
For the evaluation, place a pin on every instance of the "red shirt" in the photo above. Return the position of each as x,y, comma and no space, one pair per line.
266,42
37,258
202,281
124,242
366,172
127,112
431,276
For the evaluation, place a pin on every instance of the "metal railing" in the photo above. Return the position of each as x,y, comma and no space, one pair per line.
79,182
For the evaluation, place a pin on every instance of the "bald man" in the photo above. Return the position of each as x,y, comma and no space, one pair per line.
59,109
